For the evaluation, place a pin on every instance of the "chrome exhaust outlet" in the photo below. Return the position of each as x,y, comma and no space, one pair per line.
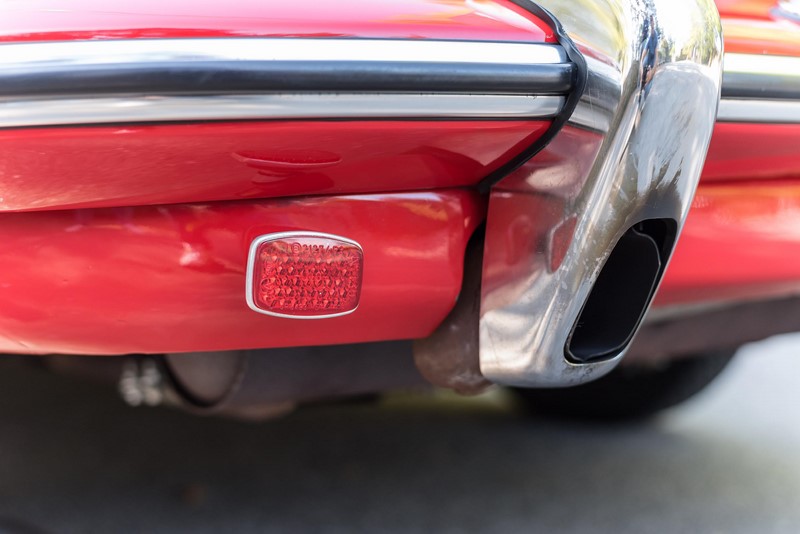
578,237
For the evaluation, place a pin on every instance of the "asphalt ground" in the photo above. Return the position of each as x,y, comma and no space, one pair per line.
74,458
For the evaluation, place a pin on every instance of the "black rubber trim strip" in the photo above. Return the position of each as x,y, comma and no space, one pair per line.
759,86
219,77
580,76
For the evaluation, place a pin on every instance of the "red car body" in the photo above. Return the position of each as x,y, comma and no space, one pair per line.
148,225
128,224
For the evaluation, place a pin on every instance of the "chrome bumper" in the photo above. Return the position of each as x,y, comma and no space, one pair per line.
557,307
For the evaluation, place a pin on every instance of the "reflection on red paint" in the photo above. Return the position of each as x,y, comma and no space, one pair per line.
739,242
55,20
166,164
755,27
753,152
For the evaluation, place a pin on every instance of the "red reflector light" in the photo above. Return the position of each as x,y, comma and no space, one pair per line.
304,275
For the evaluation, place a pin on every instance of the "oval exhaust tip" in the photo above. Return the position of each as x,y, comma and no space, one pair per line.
622,292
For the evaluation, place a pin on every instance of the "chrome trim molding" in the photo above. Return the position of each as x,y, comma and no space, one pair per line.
101,82
634,153
275,106
251,259
759,111
24,57
761,89
761,77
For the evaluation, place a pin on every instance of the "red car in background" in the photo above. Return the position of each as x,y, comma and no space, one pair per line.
244,207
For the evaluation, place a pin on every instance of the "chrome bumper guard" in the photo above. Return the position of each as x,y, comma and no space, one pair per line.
577,238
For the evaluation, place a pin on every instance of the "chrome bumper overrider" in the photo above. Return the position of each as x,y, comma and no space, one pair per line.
557,307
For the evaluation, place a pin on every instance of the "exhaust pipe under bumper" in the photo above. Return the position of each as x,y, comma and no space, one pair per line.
260,384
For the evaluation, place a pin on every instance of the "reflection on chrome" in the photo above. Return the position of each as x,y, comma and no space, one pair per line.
761,77
158,80
23,57
632,152
759,111
760,88
135,109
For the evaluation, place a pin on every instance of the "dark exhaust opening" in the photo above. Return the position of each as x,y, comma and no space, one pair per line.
623,290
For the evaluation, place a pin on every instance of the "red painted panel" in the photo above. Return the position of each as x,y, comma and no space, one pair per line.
165,164
740,241
753,151
54,20
754,27
157,279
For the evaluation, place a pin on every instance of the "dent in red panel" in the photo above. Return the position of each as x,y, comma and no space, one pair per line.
169,164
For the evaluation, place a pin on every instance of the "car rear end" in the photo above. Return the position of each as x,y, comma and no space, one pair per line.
229,197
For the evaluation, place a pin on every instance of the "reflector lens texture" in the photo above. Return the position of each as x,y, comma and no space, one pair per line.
307,276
